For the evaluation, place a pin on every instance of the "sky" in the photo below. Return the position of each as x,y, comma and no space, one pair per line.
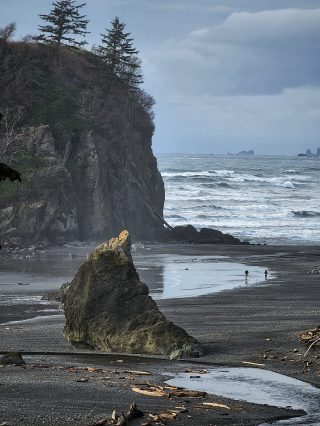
227,75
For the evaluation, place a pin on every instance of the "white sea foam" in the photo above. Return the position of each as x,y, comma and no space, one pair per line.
258,203
288,184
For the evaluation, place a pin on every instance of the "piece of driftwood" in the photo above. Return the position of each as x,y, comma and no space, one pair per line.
133,413
152,391
312,344
161,219
169,391
216,405
124,419
186,393
253,363
138,372
310,336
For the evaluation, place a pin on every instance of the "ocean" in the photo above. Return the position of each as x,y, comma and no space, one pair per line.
260,199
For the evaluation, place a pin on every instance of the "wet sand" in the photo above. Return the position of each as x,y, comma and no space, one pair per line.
255,323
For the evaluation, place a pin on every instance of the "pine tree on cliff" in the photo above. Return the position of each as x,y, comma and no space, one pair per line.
117,52
63,23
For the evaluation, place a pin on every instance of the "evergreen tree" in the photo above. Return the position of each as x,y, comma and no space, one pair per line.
64,22
118,53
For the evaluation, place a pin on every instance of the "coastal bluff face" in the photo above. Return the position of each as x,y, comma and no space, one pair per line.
84,151
109,308
99,186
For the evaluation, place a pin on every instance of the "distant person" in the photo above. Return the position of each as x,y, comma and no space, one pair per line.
246,273
266,274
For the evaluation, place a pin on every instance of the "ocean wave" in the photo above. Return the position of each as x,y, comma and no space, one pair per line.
276,181
207,206
222,172
288,184
175,216
273,201
305,213
209,178
185,174
214,185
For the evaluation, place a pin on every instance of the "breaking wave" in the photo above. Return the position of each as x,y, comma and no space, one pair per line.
261,200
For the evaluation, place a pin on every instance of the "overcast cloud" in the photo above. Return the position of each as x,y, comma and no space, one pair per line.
227,75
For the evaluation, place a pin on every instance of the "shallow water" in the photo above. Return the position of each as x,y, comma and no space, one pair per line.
24,280
192,276
256,386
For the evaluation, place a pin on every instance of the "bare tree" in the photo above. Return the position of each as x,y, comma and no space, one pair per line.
10,128
7,32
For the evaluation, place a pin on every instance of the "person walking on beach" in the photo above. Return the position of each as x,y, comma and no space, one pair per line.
266,274
246,273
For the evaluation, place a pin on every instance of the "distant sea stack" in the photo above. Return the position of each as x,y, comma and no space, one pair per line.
250,152
309,153
84,153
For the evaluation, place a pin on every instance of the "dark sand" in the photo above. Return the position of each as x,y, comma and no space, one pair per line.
257,324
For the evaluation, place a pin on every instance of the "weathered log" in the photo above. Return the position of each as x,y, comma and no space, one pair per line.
162,219
133,413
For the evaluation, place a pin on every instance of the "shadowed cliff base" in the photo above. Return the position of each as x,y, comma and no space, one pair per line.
189,234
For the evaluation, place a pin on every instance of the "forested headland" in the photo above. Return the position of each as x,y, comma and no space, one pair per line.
77,125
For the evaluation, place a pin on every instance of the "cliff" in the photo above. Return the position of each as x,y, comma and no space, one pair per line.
84,152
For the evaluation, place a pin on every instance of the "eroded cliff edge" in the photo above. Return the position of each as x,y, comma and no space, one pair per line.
85,155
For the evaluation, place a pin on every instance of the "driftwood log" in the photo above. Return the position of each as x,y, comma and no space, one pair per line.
124,419
132,414
311,338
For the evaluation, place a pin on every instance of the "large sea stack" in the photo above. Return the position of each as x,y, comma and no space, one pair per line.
83,150
109,308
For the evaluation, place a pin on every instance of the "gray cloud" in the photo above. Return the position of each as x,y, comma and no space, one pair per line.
260,52
259,29
227,75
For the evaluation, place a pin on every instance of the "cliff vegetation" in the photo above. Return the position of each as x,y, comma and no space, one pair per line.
79,131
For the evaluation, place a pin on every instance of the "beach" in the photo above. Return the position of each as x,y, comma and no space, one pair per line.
254,324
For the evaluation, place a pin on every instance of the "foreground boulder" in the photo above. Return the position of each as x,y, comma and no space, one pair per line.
109,308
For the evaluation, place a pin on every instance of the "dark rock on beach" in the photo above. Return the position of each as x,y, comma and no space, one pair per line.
12,358
109,308
189,234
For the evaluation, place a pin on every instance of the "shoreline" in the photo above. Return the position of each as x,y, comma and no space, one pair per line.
258,324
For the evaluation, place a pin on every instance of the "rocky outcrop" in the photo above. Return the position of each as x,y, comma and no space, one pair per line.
109,308
82,146
189,234
43,209
96,187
